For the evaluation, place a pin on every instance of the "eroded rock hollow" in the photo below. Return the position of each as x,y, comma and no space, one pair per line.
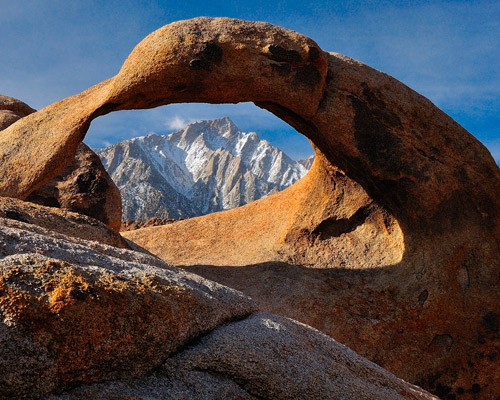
389,244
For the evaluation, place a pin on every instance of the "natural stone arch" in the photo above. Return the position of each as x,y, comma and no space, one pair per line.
423,170
344,107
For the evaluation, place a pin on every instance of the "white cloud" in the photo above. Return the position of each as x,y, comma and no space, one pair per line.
176,123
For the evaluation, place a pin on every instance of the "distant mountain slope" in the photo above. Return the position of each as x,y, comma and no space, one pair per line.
307,162
208,166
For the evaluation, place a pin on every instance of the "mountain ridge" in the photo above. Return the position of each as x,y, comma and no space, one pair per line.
206,167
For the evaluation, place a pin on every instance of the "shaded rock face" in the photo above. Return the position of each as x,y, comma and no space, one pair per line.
84,186
391,240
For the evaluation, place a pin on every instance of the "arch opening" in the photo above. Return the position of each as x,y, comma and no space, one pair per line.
187,160
387,160
324,221
228,61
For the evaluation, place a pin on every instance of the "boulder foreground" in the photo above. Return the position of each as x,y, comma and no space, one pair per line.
86,320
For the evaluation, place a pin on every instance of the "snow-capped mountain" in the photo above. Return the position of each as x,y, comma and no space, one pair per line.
307,162
208,166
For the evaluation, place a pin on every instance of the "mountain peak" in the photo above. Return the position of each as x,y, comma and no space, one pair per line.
223,127
224,122
208,166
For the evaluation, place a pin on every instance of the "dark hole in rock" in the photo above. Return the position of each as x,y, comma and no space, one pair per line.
475,388
442,342
278,53
491,322
422,298
16,215
199,64
335,227
84,182
211,52
442,390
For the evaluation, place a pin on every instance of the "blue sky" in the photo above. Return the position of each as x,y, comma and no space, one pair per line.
447,50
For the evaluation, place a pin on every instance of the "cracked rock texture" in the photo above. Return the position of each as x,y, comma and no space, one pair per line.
389,244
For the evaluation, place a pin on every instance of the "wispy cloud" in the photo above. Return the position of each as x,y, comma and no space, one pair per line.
176,123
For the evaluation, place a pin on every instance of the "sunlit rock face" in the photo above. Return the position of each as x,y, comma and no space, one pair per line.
12,110
83,186
209,166
389,244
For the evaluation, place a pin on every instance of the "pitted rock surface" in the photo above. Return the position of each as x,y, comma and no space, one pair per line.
83,187
392,172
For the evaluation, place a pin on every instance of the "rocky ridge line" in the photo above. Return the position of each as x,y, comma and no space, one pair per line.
208,166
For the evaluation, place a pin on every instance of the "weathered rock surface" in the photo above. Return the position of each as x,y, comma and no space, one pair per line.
264,356
399,214
84,186
12,110
79,312
67,224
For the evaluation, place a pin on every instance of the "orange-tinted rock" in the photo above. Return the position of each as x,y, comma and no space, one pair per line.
392,172
84,186
12,110
325,220
77,314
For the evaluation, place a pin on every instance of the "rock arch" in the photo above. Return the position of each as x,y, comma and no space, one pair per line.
382,150
352,113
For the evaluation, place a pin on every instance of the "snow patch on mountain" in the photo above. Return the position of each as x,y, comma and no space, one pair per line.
206,167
